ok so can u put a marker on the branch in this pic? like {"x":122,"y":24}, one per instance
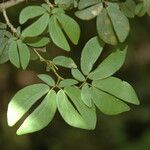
{"x":8,"y":22}
{"x":10,"y":3}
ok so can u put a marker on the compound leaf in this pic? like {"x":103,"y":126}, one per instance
{"x":88,"y":113}
{"x":107,"y":103}
{"x":120,"y":89}
{"x":37,"y":27}
{"x":109,"y":66}
{"x":41,"y":116}
{"x":30,"y":12}
{"x":57,"y":35}
{"x":68,"y":112}
{"x":70,"y":26}
{"x":23,"y":100}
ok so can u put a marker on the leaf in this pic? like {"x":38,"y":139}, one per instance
{"x":3,"y":26}
{"x":108,"y":104}
{"x":64,"y":62}
{"x":37,"y":41}
{"x":139,"y":10}
{"x":119,"y":21}
{"x":37,"y":27}
{"x":88,"y":113}
{"x":27,"y":13}
{"x":13,"y":54}
{"x":57,"y":35}
{"x":65,"y":4}
{"x":24,"y":54}
{"x":46,"y":7}
{"x":128,"y":8}
{"x":77,"y":75}
{"x":88,"y":57}
{"x":41,"y":116}
{"x":105,"y":29}
{"x":109,"y":66}
{"x":4,"y":50}
{"x":86,"y":3}
{"x":67,"y":82}
{"x":23,"y":100}
{"x":119,"y":89}
{"x":70,"y":26}
{"x":68,"y":112}
{"x":47,"y":79}
{"x":86,"y":95}
{"x":56,"y":11}
{"x":89,"y":13}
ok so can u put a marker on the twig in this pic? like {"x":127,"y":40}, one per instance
{"x":49,"y":3}
{"x":49,"y":64}
{"x":13,"y":29}
{"x":10,"y":3}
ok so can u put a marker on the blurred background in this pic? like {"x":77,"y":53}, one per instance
{"x":128,"y":131}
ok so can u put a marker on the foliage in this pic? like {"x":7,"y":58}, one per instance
{"x":76,"y":98}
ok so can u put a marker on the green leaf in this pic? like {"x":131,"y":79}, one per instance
{"x":46,"y":7}
{"x":77,"y":75}
{"x":3,"y":25}
{"x":13,"y":54}
{"x":86,"y":95}
{"x":109,"y":66}
{"x":89,"y":13}
{"x":47,"y":79}
{"x":64,"y":62}
{"x":41,"y":116}
{"x":88,"y":113}
{"x":117,"y":88}
{"x":68,"y":112}
{"x":24,"y":54}
{"x":107,"y":103}
{"x":67,"y":82}
{"x":57,"y":11}
{"x":37,"y":41}
{"x":27,"y":13}
{"x":119,"y":21}
{"x":65,"y":4}
{"x":128,"y":8}
{"x":37,"y":27}
{"x":139,"y":10}
{"x":4,"y":50}
{"x":23,"y":100}
{"x":57,"y":35}
{"x":70,"y":26}
{"x":88,"y":57}
{"x":105,"y":29}
{"x":86,"y":3}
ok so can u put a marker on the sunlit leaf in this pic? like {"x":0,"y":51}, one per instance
{"x":117,"y":88}
{"x":41,"y":116}
{"x":23,"y":100}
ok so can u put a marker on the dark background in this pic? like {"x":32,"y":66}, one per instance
{"x":128,"y":131}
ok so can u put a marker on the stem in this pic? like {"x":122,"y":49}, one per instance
{"x":10,"y":3}
{"x":49,"y":3}
{"x":13,"y":29}
{"x":50,"y":65}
